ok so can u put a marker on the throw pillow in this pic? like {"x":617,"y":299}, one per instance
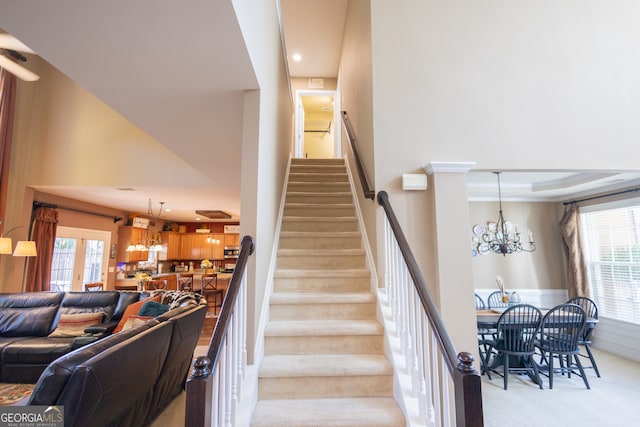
{"x":153,"y":309}
{"x":133,"y":321}
{"x":73,"y":325}
{"x":132,"y":310}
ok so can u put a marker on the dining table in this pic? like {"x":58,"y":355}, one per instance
{"x":488,"y":319}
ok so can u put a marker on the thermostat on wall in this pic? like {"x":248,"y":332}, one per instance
{"x":414,"y":181}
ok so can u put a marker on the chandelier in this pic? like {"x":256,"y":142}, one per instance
{"x":152,"y":241}
{"x":500,"y":237}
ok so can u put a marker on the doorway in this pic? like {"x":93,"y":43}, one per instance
{"x":317,"y":124}
{"x":79,"y":257}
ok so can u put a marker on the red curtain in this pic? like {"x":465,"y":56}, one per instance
{"x":45,"y":223}
{"x":7,"y":106}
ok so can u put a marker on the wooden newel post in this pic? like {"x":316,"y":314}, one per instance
{"x":198,"y":389}
{"x":468,"y":389}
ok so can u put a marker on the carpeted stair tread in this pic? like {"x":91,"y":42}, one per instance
{"x":321,"y":252}
{"x":322,"y":328}
{"x":356,"y":272}
{"x":324,"y":365}
{"x":320,"y":219}
{"x":322,"y":298}
{"x":351,"y":412}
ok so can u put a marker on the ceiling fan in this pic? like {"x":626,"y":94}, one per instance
{"x":12,"y":46}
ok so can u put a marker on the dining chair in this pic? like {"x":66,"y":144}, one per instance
{"x":495,"y":300}
{"x":559,"y":336}
{"x":591,"y":310}
{"x":154,"y":284}
{"x":513,"y":347}
{"x":93,"y":287}
{"x":480,"y":303}
{"x":483,"y":333}
{"x":210,"y":287}
{"x":184,"y":281}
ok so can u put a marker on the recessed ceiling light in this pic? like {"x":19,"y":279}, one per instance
{"x":168,"y":210}
{"x":197,"y":218}
{"x":297,"y":57}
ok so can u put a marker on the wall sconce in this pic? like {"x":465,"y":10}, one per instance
{"x":23,"y":247}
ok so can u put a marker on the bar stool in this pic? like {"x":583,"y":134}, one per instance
{"x":210,"y":286}
{"x":185,"y":281}
{"x":152,"y":285}
{"x":93,"y":287}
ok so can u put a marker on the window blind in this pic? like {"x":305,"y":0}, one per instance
{"x":610,"y":239}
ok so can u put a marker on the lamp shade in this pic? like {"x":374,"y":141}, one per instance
{"x":25,"y":248}
{"x":5,"y":245}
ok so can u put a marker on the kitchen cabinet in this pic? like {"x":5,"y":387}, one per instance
{"x":232,"y":240}
{"x":127,"y":236}
{"x":198,"y":246}
{"x":170,"y":246}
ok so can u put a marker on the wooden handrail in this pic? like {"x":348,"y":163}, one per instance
{"x":369,"y":192}
{"x":199,"y":383}
{"x":466,"y":380}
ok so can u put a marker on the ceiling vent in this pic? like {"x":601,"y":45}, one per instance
{"x":214,"y":214}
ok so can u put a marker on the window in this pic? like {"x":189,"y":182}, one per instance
{"x":611,"y":245}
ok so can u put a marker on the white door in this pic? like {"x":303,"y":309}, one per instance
{"x":80,"y":256}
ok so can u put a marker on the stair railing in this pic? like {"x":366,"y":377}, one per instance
{"x":445,"y":383}
{"x":213,"y":388}
{"x":367,"y":190}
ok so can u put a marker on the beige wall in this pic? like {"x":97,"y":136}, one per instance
{"x":508,"y":85}
{"x":65,"y":136}
{"x":357,"y":100}
{"x":542,"y":269}
{"x":267,"y":144}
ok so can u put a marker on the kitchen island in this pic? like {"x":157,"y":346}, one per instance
{"x":171,"y":278}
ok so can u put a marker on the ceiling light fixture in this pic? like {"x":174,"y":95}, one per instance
{"x":153,"y":243}
{"x":297,"y":57}
{"x":501,"y":237}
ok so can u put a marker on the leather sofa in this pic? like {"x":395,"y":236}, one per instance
{"x":127,"y":378}
{"x":27,"y":321}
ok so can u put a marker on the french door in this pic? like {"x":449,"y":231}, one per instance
{"x":80,"y":256}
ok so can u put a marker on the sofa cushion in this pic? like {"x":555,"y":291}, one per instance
{"x":125,"y":299}
{"x":153,"y":309}
{"x":73,"y":325}
{"x":28,"y":314}
{"x":132,"y":310}
{"x":55,"y":377}
{"x":133,"y":321}
{"x":90,"y":302}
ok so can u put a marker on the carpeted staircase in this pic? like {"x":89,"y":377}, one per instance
{"x":324,"y":363}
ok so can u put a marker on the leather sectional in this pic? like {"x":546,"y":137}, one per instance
{"x":101,"y":379}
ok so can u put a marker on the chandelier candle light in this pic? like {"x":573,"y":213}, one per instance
{"x":501,"y":237}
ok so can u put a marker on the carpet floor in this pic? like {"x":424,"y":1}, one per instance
{"x":11,"y":393}
{"x":612,"y":400}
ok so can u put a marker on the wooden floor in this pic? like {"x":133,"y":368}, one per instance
{"x":207,"y":329}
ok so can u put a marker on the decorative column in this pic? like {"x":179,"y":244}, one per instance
{"x":449,"y":201}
